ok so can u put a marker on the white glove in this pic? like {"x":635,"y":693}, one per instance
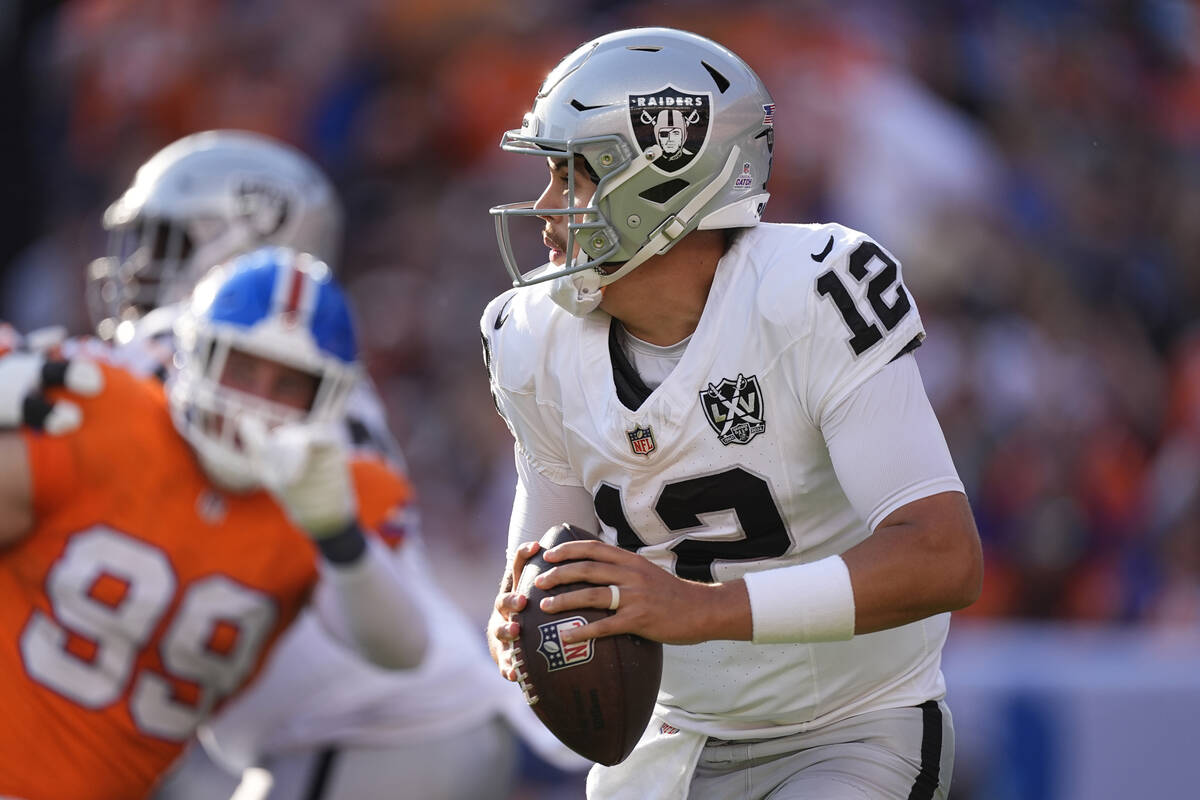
{"x":305,"y":467}
{"x":24,"y":376}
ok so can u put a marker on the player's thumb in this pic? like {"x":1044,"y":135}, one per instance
{"x":320,"y":497}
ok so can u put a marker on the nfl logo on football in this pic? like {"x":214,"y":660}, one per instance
{"x":559,"y":655}
{"x":641,"y":440}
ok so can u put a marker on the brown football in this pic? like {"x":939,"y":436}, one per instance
{"x":596,"y":696}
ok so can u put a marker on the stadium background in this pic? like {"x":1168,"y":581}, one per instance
{"x":1035,"y":165}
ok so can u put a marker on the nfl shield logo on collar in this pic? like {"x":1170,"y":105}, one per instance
{"x":641,"y":439}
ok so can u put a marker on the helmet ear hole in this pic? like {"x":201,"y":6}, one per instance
{"x":663,"y":192}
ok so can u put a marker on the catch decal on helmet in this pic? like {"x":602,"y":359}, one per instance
{"x":678,"y":122}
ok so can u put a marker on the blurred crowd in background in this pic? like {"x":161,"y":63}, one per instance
{"x":1034,"y":165}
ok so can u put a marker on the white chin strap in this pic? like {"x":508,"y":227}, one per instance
{"x":580,"y":293}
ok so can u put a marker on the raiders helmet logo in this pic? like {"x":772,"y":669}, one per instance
{"x":262,"y":205}
{"x":676,"y":121}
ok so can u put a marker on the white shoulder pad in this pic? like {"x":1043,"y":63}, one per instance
{"x":507,"y":327}
{"x":844,"y":293}
{"x":518,"y":329}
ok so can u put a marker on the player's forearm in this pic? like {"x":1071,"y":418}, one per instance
{"x":923,"y":559}
{"x":367,"y":605}
{"x":728,"y":613}
{"x":16,"y":489}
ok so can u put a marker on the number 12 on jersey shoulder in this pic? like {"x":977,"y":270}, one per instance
{"x":866,"y":335}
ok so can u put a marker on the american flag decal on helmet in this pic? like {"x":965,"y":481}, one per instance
{"x":769,"y":114}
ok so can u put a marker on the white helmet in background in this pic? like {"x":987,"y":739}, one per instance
{"x":198,"y":202}
{"x":676,"y":130}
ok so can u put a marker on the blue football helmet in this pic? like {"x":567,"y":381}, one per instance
{"x":276,"y":304}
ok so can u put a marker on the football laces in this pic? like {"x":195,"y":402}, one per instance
{"x":523,"y":681}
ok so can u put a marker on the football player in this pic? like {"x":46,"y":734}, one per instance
{"x":198,"y":202}
{"x":734,"y":406}
{"x":435,"y":729}
{"x":154,"y":551}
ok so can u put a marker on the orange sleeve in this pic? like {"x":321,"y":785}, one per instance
{"x":103,"y":445}
{"x":53,"y":469}
{"x":385,"y":500}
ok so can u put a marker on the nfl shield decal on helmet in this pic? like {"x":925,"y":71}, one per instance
{"x":676,"y":121}
{"x":734,"y":409}
{"x":641,"y":439}
{"x":559,"y":655}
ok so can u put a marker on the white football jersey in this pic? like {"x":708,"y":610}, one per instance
{"x":722,"y":469}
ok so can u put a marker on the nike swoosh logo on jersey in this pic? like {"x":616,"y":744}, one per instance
{"x":819,"y":257}
{"x":501,"y":316}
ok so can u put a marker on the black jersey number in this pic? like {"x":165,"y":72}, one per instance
{"x":679,"y":507}
{"x":866,"y":334}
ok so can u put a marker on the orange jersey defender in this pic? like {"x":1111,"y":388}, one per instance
{"x":142,"y":599}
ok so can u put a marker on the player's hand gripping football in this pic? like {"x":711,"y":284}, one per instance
{"x":305,"y":467}
{"x":24,"y":378}
{"x":502,"y":630}
{"x":652,"y":602}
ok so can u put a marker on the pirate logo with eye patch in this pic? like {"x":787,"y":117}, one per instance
{"x":676,"y":121}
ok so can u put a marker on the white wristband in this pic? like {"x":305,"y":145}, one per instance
{"x":802,"y":603}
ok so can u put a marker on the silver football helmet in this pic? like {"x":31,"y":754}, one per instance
{"x":196,"y":203}
{"x":677,"y":130}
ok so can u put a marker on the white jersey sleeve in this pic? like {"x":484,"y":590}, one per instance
{"x":540,"y":504}
{"x":886,"y":445}
{"x":859,"y":317}
{"x":510,"y":327}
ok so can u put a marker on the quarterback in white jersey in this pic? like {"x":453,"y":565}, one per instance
{"x":733,"y":406}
